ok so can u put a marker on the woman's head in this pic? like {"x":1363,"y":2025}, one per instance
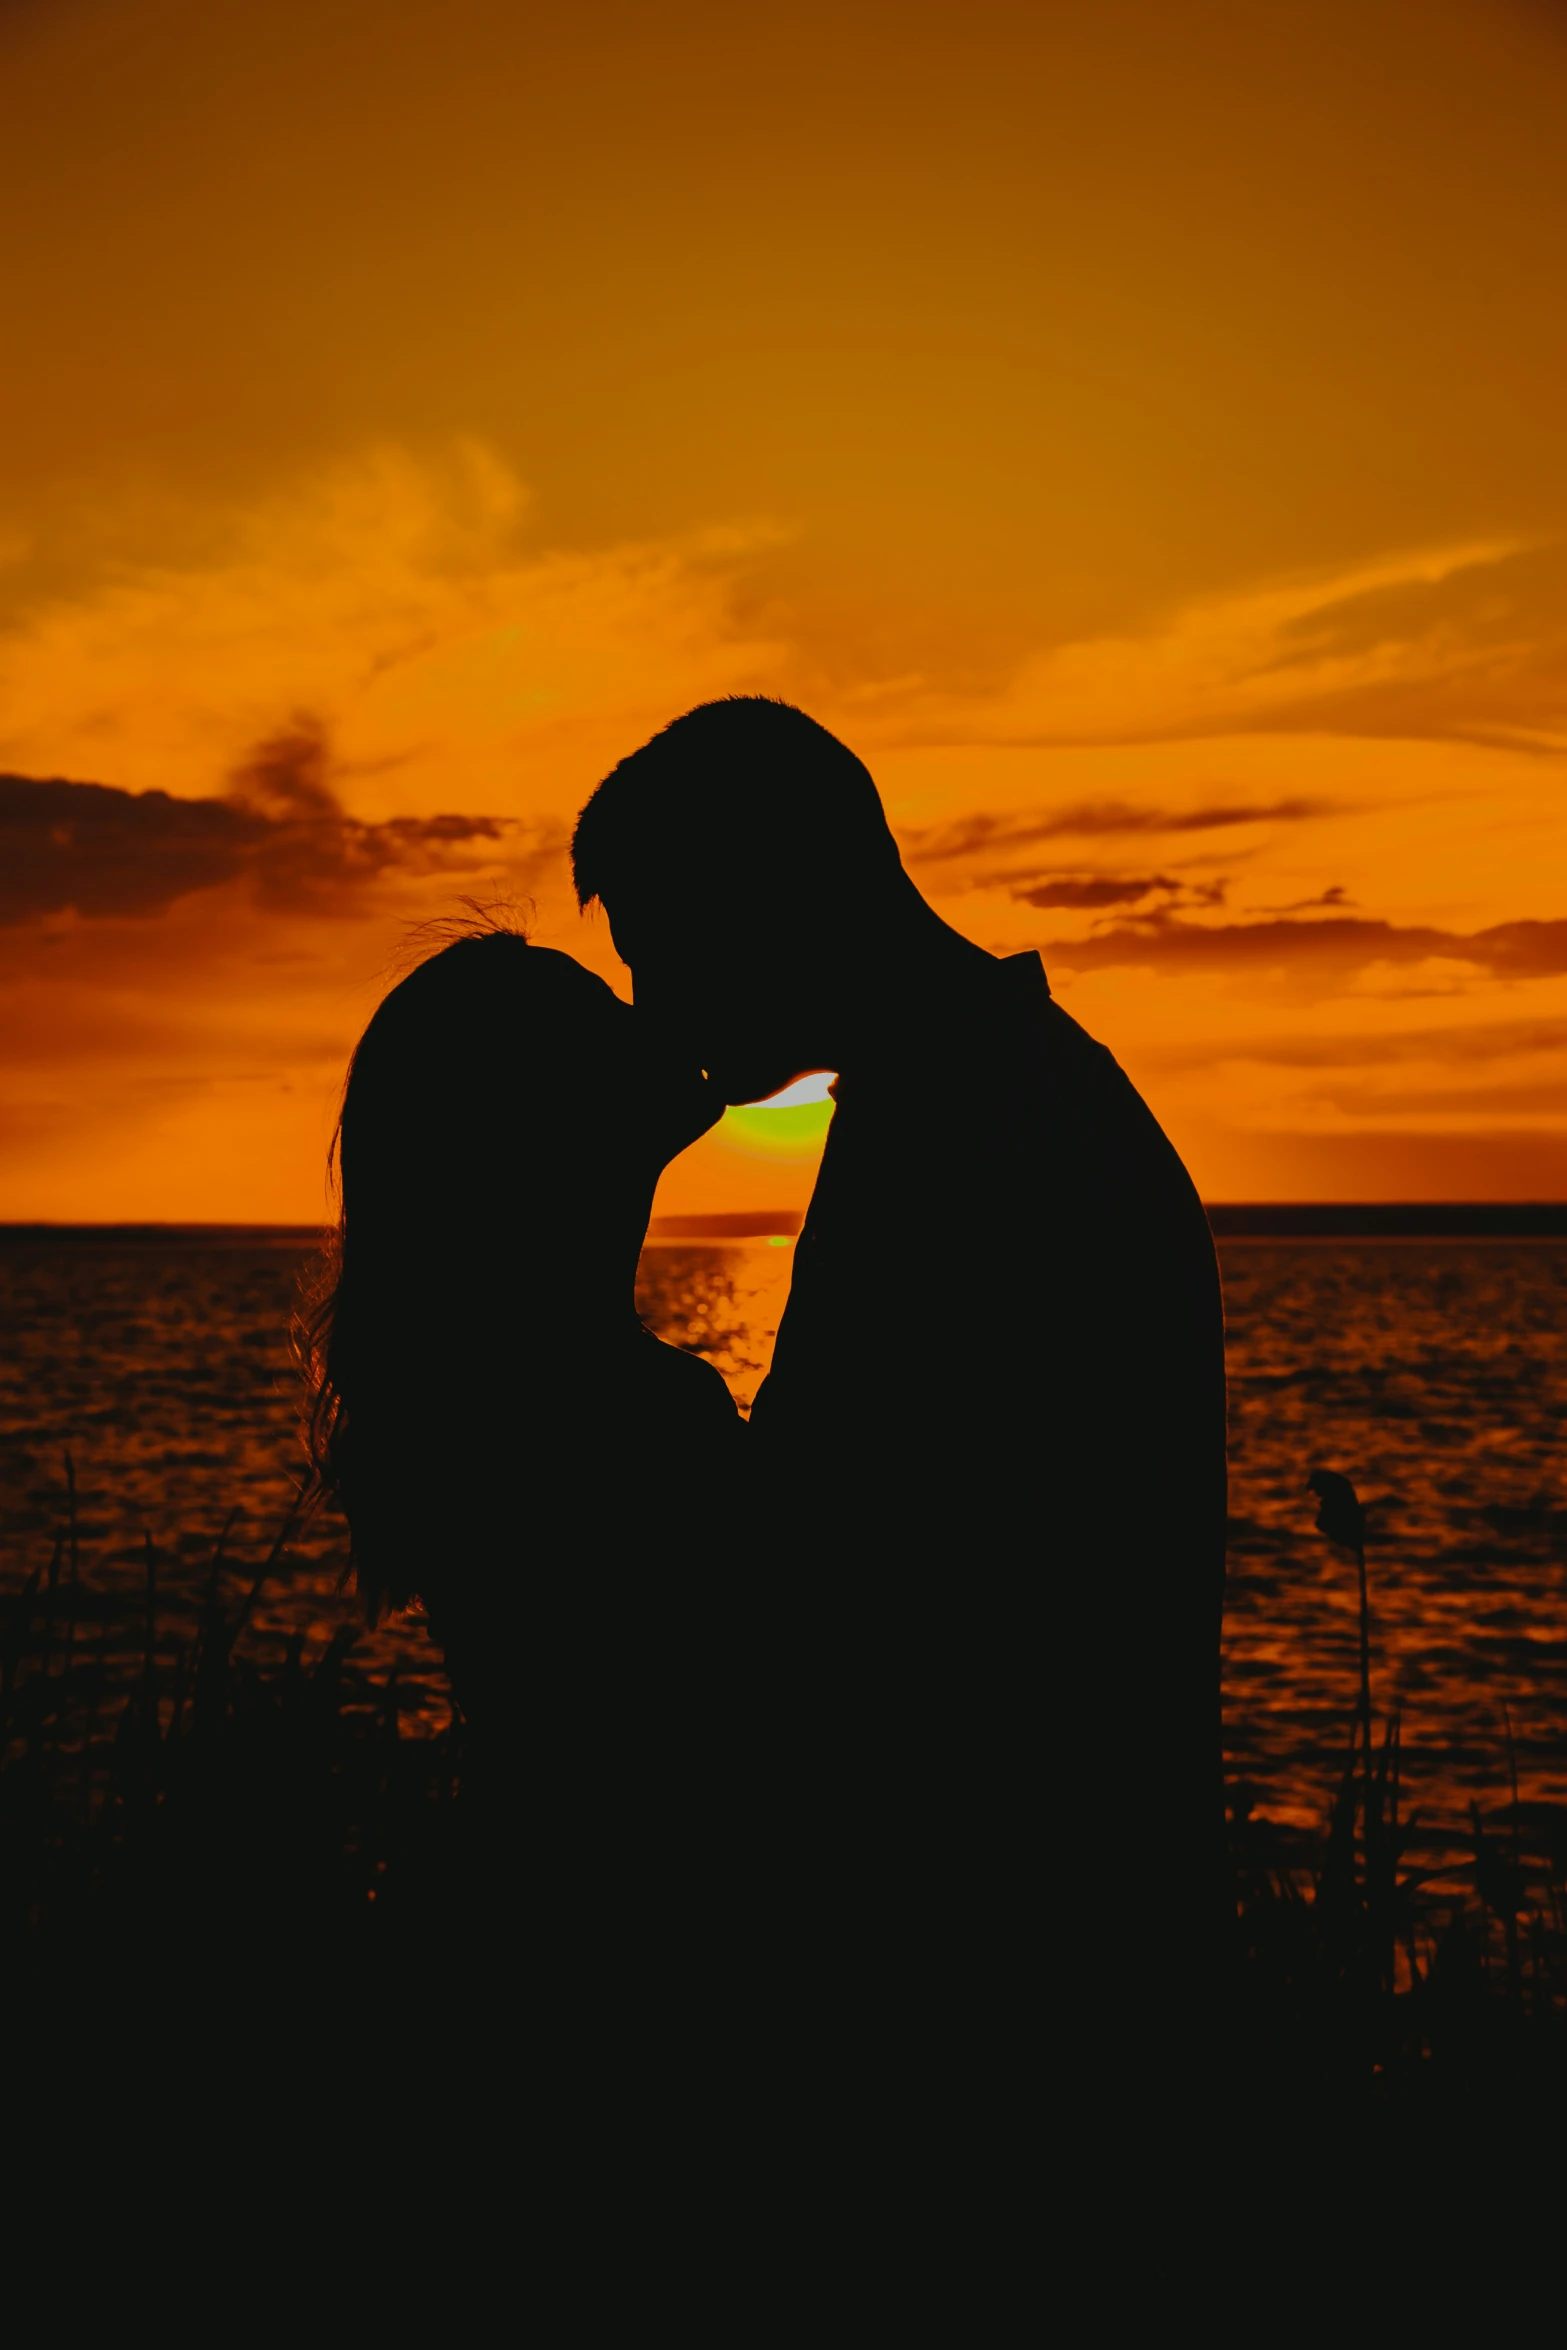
{"x":503,"y":1128}
{"x":502,"y":1077}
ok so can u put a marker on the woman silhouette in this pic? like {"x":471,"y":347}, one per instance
{"x":509,"y":1443}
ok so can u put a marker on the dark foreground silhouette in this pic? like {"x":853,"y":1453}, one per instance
{"x":235,"y":1932}
{"x":994,"y":1425}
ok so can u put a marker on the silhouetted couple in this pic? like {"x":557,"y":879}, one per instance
{"x":900,"y":1705}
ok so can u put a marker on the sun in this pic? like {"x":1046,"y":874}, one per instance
{"x":788,"y":1127}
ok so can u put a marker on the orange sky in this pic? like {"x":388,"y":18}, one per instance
{"x":1136,"y":429}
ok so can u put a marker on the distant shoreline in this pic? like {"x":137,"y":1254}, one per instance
{"x":1231,"y":1220}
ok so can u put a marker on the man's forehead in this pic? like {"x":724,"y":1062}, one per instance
{"x":674,"y":927}
{"x":696,"y":872}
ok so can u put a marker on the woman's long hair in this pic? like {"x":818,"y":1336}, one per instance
{"x":451,"y":1153}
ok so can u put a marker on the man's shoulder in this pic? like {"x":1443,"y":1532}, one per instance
{"x":1038,"y":1044}
{"x":1070,"y":1094}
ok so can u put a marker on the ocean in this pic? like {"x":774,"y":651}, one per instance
{"x":1430,"y":1370}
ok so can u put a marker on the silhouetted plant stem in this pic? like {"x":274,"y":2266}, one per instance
{"x":1512,"y":1778}
{"x":74,"y":1586}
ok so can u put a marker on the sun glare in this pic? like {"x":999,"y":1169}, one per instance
{"x":788,"y":1128}
{"x":815,"y":1088}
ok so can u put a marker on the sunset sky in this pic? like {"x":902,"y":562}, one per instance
{"x":1137,"y":429}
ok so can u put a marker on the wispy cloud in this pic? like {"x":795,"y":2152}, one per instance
{"x":1093,"y":892}
{"x":1464,"y":644}
{"x":1488,"y":1041}
{"x":1335,"y":948}
{"x":399,"y":599}
{"x":1338,"y":895}
{"x":1545,"y":1098}
{"x":984,"y":833}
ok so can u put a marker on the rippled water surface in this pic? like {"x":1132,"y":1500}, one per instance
{"x":1432,"y":1372}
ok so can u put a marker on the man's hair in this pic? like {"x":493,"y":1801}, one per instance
{"x":732,"y":792}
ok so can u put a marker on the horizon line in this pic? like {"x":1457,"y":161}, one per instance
{"x":1229,"y":1219}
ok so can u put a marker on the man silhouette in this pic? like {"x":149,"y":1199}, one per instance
{"x":994,"y":1425}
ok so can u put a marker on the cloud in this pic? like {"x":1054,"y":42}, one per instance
{"x":984,"y":833}
{"x":1095,"y":891}
{"x":1471,"y":647}
{"x":1486,"y":1041}
{"x":1547,"y":1098}
{"x":1389,"y":1162}
{"x":1338,"y":895}
{"x":1486,"y":1071}
{"x":1092,"y":892}
{"x":395,"y":597}
{"x":101,"y":852}
{"x":1475,"y":654}
{"x":1335,"y":948}
{"x":1458,"y":644}
{"x":1493,"y":601}
{"x":286,"y":774}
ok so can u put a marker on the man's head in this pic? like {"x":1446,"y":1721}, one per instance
{"x":741,"y":857}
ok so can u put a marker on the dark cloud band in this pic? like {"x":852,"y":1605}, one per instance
{"x":104,"y":852}
{"x":1091,"y":893}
